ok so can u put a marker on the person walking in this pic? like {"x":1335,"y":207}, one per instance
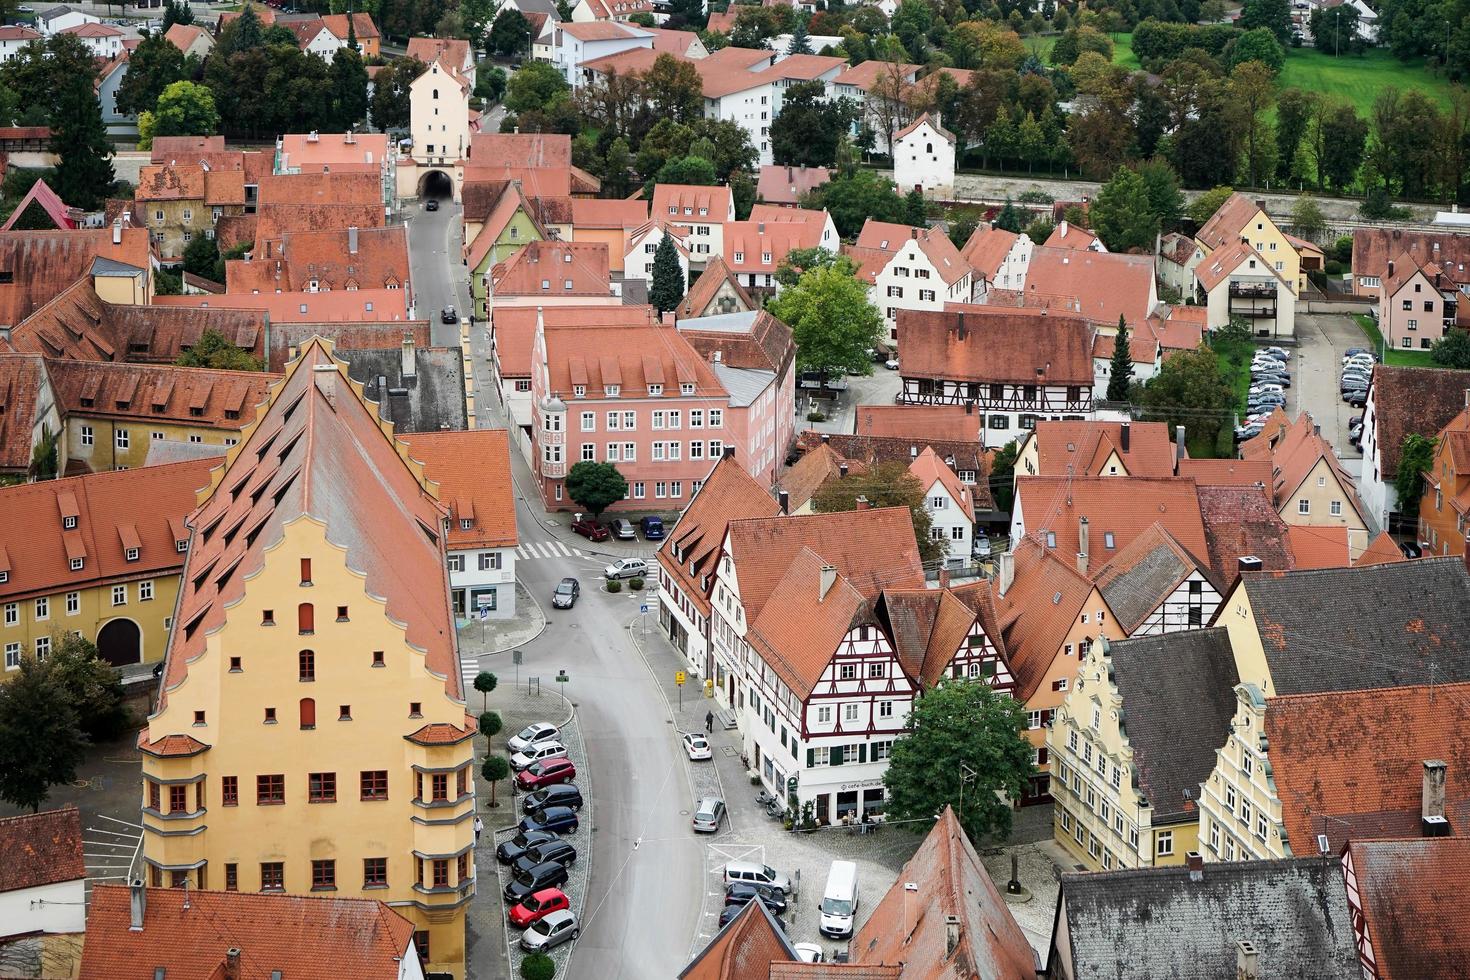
{"x":709,"y":722}
{"x":479,"y":826}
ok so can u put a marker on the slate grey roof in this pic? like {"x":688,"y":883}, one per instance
{"x":744,"y":384}
{"x":112,"y":267}
{"x":1178,"y":694}
{"x":429,"y":400}
{"x":1345,"y":629}
{"x":1157,"y":923}
{"x":1143,"y":575}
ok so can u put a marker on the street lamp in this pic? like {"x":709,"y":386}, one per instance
{"x":967,"y":775}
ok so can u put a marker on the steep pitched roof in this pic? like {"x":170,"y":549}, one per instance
{"x":788,"y":185}
{"x":908,"y":931}
{"x":1242,"y":522}
{"x":1382,"y":550}
{"x":1412,"y":400}
{"x":987,"y":248}
{"x":1084,"y":448}
{"x":812,"y":472}
{"x":1294,"y":451}
{"x":1045,"y":597}
{"x":1098,"y":286}
{"x":947,"y":423}
{"x":510,"y":202}
{"x":554,"y":268}
{"x":689,"y":553}
{"x":933,"y":243}
{"x":748,"y":243}
{"x":1319,"y":547}
{"x":1178,"y":692}
{"x":1296,"y":910}
{"x":1227,"y":260}
{"x":1068,"y":235}
{"x":930,"y":469}
{"x":744,"y":949}
{"x":872,"y":450}
{"x":115,"y":510}
{"x":22,"y":377}
{"x":39,"y":849}
{"x":716,"y":276}
{"x":929,"y":626}
{"x":995,"y":345}
{"x":43,"y":263}
{"x":319,"y":451}
{"x":186,"y":934}
{"x":1415,"y":895}
{"x":1345,"y":629}
{"x":472,"y":470}
{"x":48,"y":200}
{"x":924,"y":119}
{"x":429,"y":49}
{"x":753,"y":341}
{"x":1145,"y":573}
{"x":1228,"y":222}
{"x":200,"y":397}
{"x":865,"y":74}
{"x":799,"y":628}
{"x":1374,"y":248}
{"x":1351,"y":763}
{"x":362,"y":25}
{"x":1124,"y":508}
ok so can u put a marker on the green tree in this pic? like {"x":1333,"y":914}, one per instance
{"x":153,"y":66}
{"x":1274,"y":15}
{"x":914,"y":209}
{"x":490,"y":82}
{"x":1190,"y":391}
{"x":975,"y":730}
{"x":799,"y":261}
{"x":201,"y":256}
{"x":79,"y":139}
{"x":1336,"y":30}
{"x":477,"y":15}
{"x":43,"y":75}
{"x":806,"y":131}
{"x":1253,"y":90}
{"x":854,"y":199}
{"x":912,"y":23}
{"x":242,"y":34}
{"x":1002,"y":475}
{"x":1257,"y":45}
{"x":833,"y":323}
{"x":674,"y":90}
{"x":885,"y":485}
{"x":1344,"y":135}
{"x":536,"y":85}
{"x":1122,"y":215}
{"x":617,"y":176}
{"x":801,"y":41}
{"x":1294,"y":109}
{"x":186,"y":109}
{"x":596,"y":486}
{"x":1202,"y":207}
{"x":538,"y":966}
{"x":93,"y":687}
{"x":510,"y":34}
{"x":389,"y":104}
{"x":962,"y":227}
{"x":1008,"y":218}
{"x":494,"y":769}
{"x":1451,"y":351}
{"x":43,"y":455}
{"x":41,"y":740}
{"x":1120,"y":375}
{"x":174,"y":12}
{"x":668,"y":285}
{"x":1307,"y":217}
{"x":490,"y":723}
{"x":213,"y":350}
{"x":1415,"y":458}
{"x":1162,"y":185}
{"x":485,"y":682}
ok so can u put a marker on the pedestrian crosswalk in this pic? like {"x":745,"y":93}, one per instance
{"x":546,"y":549}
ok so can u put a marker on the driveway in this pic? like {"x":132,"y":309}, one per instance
{"x":1316,"y":366}
{"x":437,"y":272}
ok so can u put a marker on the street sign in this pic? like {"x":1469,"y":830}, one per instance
{"x":516,"y":657}
{"x":643,"y":608}
{"x":679,"y":677}
{"x":484,"y":613}
{"x":561,"y":676}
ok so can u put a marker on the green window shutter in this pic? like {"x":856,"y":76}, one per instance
{"x":862,"y":752}
{"x":811,"y":758}
{"x":835,"y":758}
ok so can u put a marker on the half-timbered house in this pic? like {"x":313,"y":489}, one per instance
{"x":948,"y":634}
{"x":1155,"y":585}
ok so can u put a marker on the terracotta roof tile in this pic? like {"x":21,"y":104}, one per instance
{"x":147,"y":498}
{"x":608,"y":350}
{"x":765,"y":345}
{"x":199,"y":397}
{"x":929,"y":626}
{"x":748,"y":243}
{"x":598,"y":213}
{"x":327,"y":259}
{"x":788,"y":185}
{"x":170,"y":183}
{"x":689,"y":553}
{"x":337,"y":152}
{"x":987,"y":344}
{"x":930,"y":469}
{"x":812,"y":472}
{"x":1045,"y":597}
{"x":472,"y":470}
{"x":798,"y":630}
{"x":1294,"y":449}
{"x":746,"y":948}
{"x":1351,"y":763}
{"x":1382,"y":550}
{"x":1228,"y":221}
{"x":692,"y":201}
{"x":1099,"y":286}
{"x":1319,"y":547}
{"x":705,"y":289}
{"x":515,"y":329}
{"x":1084,"y":448}
{"x":865,"y":74}
{"x":1068,"y":235}
{"x":1242,"y":522}
{"x":1374,"y":248}
{"x":871,"y":450}
{"x":1413,"y":894}
{"x":1124,"y":507}
{"x":1145,"y":573}
{"x":933,"y":124}
{"x":43,"y":263}
{"x":987,"y":248}
{"x":39,"y":849}
{"x":362,"y":26}
{"x":186,"y":935}
{"x":946,"y":423}
{"x":170,"y":746}
{"x":354,"y":306}
{"x":554,"y":268}
{"x":552,"y":150}
{"x":1227,"y":472}
{"x":1225,"y":261}
{"x":22,"y":376}
{"x":1177,"y":248}
{"x":1412,"y":400}
{"x":429,"y":50}
{"x":287,"y":338}
{"x":440,"y":733}
{"x":55,"y":208}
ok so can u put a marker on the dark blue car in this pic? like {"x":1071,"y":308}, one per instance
{"x":556,"y":819}
{"x":653,"y":528}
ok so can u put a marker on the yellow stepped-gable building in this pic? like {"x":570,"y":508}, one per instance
{"x":311,"y":733}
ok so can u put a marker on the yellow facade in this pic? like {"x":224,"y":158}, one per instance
{"x":148,"y":601}
{"x":249,"y":715}
{"x":1239,"y":620}
{"x":1274,"y":246}
{"x":1321,"y":500}
{"x":1240,"y":814}
{"x":1099,"y":817}
{"x":124,"y":290}
{"x":169,"y":221}
{"x":110,"y":444}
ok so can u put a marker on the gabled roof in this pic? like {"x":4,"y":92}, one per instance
{"x":429,"y":49}
{"x":43,"y":263}
{"x":1084,"y":448}
{"x":788,"y":185}
{"x":798,"y":628}
{"x":22,"y":376}
{"x":319,"y":451}
{"x":472,"y":470}
{"x":865,"y":74}
{"x":987,"y":248}
{"x":1045,"y":598}
{"x":186,"y":934}
{"x":929,"y":626}
{"x":428,"y":397}
{"x":1319,"y":546}
{"x":1294,"y":910}
{"x":1143,"y":347}
{"x":812,"y":472}
{"x":716,"y":276}
{"x":1344,"y":629}
{"x":1177,"y":248}
{"x":47,"y":199}
{"x":1125,"y":508}
{"x":1229,"y":222}
{"x":1068,"y":235}
{"x":554,"y":268}
{"x":750,"y":341}
{"x":1227,"y":472}
{"x":924,"y":120}
{"x":988,"y":344}
{"x":354,"y":306}
{"x":362,"y":26}
{"x":511,"y":201}
{"x":38,"y":849}
{"x":1242,"y":522}
{"x":338,"y":259}
{"x":1228,"y":260}
{"x":747,"y":243}
{"x":1374,"y":248}
{"x":550,"y":150}
{"x":183,"y":36}
{"x":933,"y":243}
{"x":1098,"y":286}
{"x":946,"y":423}
{"x":872,"y":450}
{"x":515,"y":329}
{"x":907,"y":931}
{"x":1382,"y":550}
{"x":1178,"y":692}
{"x":710,"y":204}
{"x":1351,"y":763}
{"x":1294,"y":450}
{"x":1414,"y":895}
{"x":744,"y":949}
{"x":930,"y":469}
{"x":1412,"y":400}
{"x":689,"y":553}
{"x":600,"y":351}
{"x":195,"y":397}
{"x":114,"y":510}
{"x":1144,"y":574}
{"x":871,"y":549}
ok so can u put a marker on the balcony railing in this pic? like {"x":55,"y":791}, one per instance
{"x":554,"y":471}
{"x":1253,"y":291}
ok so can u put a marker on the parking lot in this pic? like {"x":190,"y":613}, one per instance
{"x":1316,"y":365}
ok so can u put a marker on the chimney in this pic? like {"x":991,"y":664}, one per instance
{"x":1178,"y":446}
{"x":1316,"y":429}
{"x":138,"y":903}
{"x":409,"y":359}
{"x":717,"y":357}
{"x":313,"y":137}
{"x":232,"y":963}
{"x":352,"y":240}
{"x":1250,"y":563}
{"x":1390,"y":268}
{"x":841,"y":469}
{"x":951,"y":934}
{"x":1465,"y":553}
{"x":826,"y":438}
{"x":1431,"y":808}
{"x":1123,"y":434}
{"x":729,"y":452}
{"x":117,"y":232}
{"x":944,"y":578}
{"x":862,"y":503}
{"x":325,"y":376}
{"x":1467,"y":397}
{"x":384,"y":411}
{"x":349,"y":138}
{"x":1247,"y":961}
{"x":784,"y":499}
{"x":790,"y":175}
{"x":1083,"y":540}
{"x":1007,"y":571}
{"x":1196,"y":866}
{"x":829,"y":578}
{"x":1062,"y":228}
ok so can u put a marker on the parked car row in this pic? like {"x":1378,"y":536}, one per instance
{"x":1270,"y":378}
{"x":1357,"y":371}
{"x":621,"y":528}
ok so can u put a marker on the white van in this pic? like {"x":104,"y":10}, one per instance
{"x":754,"y":873}
{"x":840,"y":900}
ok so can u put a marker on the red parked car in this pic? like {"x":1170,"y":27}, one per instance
{"x":591,"y":530}
{"x":546,"y":772}
{"x":537,"y":905}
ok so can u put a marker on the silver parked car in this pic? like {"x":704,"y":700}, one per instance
{"x":554,"y":929}
{"x":708,"y":813}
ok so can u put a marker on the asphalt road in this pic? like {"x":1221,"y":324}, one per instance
{"x":1316,"y":365}
{"x":437,"y":271}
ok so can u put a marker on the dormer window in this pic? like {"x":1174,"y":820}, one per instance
{"x":131,"y":554}
{"x":655,"y":390}
{"x":579,"y":390}
{"x":545,"y":283}
{"x":686,"y":388}
{"x":68,"y":522}
{"x":739,"y":256}
{"x":611,"y":391}
{"x":466,"y":523}
{"x":765,"y":258}
{"x":77,"y":563}
{"x":673,"y":209}
{"x":181,"y":546}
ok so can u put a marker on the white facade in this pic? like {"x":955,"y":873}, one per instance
{"x":488,"y":573}
{"x":1011,"y":273}
{"x":754,"y":108}
{"x":687,"y":636}
{"x":103,"y":45}
{"x":638,"y":263}
{"x":924,"y":158}
{"x":1102,"y":371}
{"x":1252,"y":273}
{"x":949,"y":521}
{"x":13,"y":38}
{"x":570,"y":51}
{"x":63,"y":17}
{"x":911,"y":281}
{"x":439,"y":116}
{"x":54,"y":908}
{"x":324,"y":45}
{"x":1378,"y":495}
{"x":1190,"y":606}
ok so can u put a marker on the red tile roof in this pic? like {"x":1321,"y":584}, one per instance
{"x":183,"y":36}
{"x":1412,"y":400}
{"x":988,"y":344}
{"x":765,"y":346}
{"x":287,"y":338}
{"x":1382,"y":550}
{"x":1414,"y":895}
{"x":1226,"y":261}
{"x":147,"y":504}
{"x":788,"y":185}
{"x":600,"y":351}
{"x":1099,"y":286}
{"x":55,"y":208}
{"x":515,"y":329}
{"x":21,"y":378}
{"x":326,"y":257}
{"x":932,"y":242}
{"x":588,"y":212}
{"x":930,"y":469}
{"x":554,"y":268}
{"x":798,"y":629}
{"x":1294,"y":449}
{"x":1125,"y":507}
{"x":1319,"y":547}
{"x":987,"y":248}
{"x":706,"y":289}
{"x":865,"y":74}
{"x":945,"y":423}
{"x":747,"y":243}
{"x":689,"y":554}
{"x":199,"y":397}
{"x":1068,"y":235}
{"x":1228,"y":221}
{"x":1046,"y":596}
{"x":1083,"y":448}
{"x":43,"y":263}
{"x":929,"y":626}
{"x":338,"y":306}
{"x":442,"y":733}
{"x":1143,"y":347}
{"x":747,"y":948}
{"x":933,"y":124}
{"x":1141,"y":576}
{"x":41,"y":849}
{"x":812,"y":472}
{"x":510,"y":202}
{"x":186,"y":934}
{"x":1351,"y":763}
{"x":672,"y":201}
{"x":472,"y":470}
{"x":1227,"y":472}
{"x":170,"y":746}
{"x":362,"y":26}
{"x":551,"y":150}
{"x":1242,"y":522}
{"x":1374,"y":248}
{"x":429,"y":49}
{"x":320,"y":452}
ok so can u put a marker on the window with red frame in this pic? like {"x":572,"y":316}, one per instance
{"x":230,"y":790}
{"x":375,"y":872}
{"x":441,"y":786}
{"x":464,"y":868}
{"x":441,"y":874}
{"x":272,"y":876}
{"x":155,"y":796}
{"x":375,"y":784}
{"x":306,"y":666}
{"x":323,"y":875}
{"x":322,"y":787}
{"x":270,"y":790}
{"x":178,"y":799}
{"x":308,"y":713}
